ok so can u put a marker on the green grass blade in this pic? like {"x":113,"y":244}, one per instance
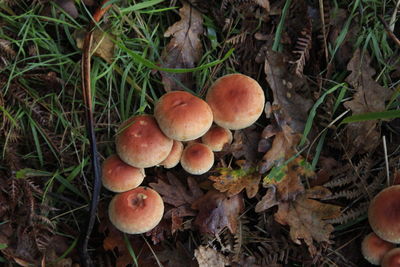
{"x":389,"y":114}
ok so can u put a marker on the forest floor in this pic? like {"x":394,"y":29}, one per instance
{"x":291,"y":190}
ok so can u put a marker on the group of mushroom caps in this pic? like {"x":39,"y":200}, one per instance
{"x":379,"y":247}
{"x":170,"y":136}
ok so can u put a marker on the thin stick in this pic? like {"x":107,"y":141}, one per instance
{"x":87,"y":99}
{"x":386,"y":160}
{"x":389,"y":32}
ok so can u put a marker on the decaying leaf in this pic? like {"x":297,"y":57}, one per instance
{"x":287,"y":169}
{"x":102,"y":45}
{"x":177,"y":195}
{"x":245,"y":144}
{"x":233,"y":181}
{"x":206,"y":257}
{"x":69,"y":7}
{"x":216,"y":210}
{"x":184,"y":50}
{"x":370,"y":97}
{"x":285,"y":85}
{"x":306,"y":217}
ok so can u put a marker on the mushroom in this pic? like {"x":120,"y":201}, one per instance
{"x":141,"y":143}
{"x":197,"y":158}
{"x":136,"y":211}
{"x":392,"y":258}
{"x":174,"y":156}
{"x":374,"y":248}
{"x":384,"y":214}
{"x":236,"y":100}
{"x":217,"y":137}
{"x":117,"y":176}
{"x":183,"y":116}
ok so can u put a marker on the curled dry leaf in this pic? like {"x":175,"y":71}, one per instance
{"x":234,"y":181}
{"x":102,"y":45}
{"x":206,"y":257}
{"x":370,"y":97}
{"x":216,"y":210}
{"x":306,"y":217}
{"x":184,"y":50}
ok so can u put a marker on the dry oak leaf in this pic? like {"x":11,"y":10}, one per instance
{"x":234,"y":181}
{"x":306,"y":217}
{"x":245,"y":144}
{"x":184,"y":50}
{"x":216,"y":210}
{"x":177,"y":195}
{"x":286,"y":169}
{"x":370,"y":97}
{"x":207,"y":257}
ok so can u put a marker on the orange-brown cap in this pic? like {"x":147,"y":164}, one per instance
{"x":392,"y":258}
{"x":183,"y":116}
{"x":174,"y":156}
{"x":374,"y":248}
{"x":217,"y":137}
{"x":117,"y":176}
{"x":197,"y":158}
{"x":236,"y":100}
{"x":384,"y":214}
{"x":141,"y":143}
{"x":136,"y":211}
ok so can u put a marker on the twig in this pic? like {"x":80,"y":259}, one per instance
{"x":87,"y":99}
{"x":389,"y":32}
{"x":386,"y":160}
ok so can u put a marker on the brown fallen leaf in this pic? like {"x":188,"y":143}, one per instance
{"x":102,"y":45}
{"x":206,"y":257}
{"x":69,"y":7}
{"x":306,"y":217}
{"x":233,"y":181}
{"x":362,"y":137}
{"x":177,"y":195}
{"x":216,"y":210}
{"x":245,"y":144}
{"x":184,"y":50}
{"x":284,"y":85}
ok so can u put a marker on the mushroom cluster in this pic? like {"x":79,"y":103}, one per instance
{"x":379,"y":247}
{"x":180,"y":131}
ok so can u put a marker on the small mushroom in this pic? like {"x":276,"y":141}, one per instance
{"x":117,"y":176}
{"x":174,"y":156}
{"x":384,"y":214}
{"x":374,"y":248}
{"x":136,"y":211}
{"x":183,"y":116}
{"x":141,"y":143}
{"x":392,"y":258}
{"x":217,"y":137}
{"x":197,"y":158}
{"x":236,"y":101}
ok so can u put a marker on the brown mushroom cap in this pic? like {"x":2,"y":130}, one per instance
{"x":174,"y":156}
{"x":236,"y":100}
{"x":183,"y":116}
{"x":141,"y":143}
{"x":197,"y":158}
{"x":384,"y":214}
{"x":117,"y":176}
{"x":217,"y":137}
{"x":374,"y":248}
{"x":392,"y":258}
{"x":136,"y":211}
